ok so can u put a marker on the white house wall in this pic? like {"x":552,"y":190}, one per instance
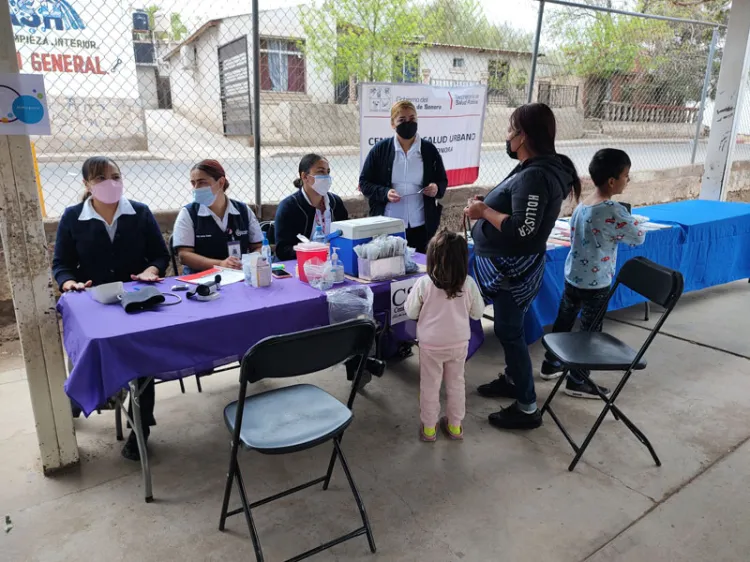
{"x":147,"y":87}
{"x":195,"y":90}
{"x":439,"y":61}
{"x":281,"y":24}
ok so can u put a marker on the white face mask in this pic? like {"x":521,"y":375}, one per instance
{"x":322,"y":184}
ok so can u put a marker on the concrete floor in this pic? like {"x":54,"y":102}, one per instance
{"x":497,"y":496}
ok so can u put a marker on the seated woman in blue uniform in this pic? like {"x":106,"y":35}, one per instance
{"x":105,"y":239}
{"x":214,"y":229}
{"x":313,"y":204}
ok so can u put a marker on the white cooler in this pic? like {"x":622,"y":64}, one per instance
{"x":361,"y":231}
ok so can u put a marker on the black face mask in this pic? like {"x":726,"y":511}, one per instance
{"x":513,"y":154}
{"x":407,"y":129}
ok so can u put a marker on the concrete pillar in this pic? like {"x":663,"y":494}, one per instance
{"x":353,"y":89}
{"x":722,"y":138}
{"x":26,"y":257}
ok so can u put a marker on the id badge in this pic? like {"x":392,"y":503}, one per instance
{"x":234,"y":249}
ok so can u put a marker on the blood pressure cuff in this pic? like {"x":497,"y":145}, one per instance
{"x":148,"y":298}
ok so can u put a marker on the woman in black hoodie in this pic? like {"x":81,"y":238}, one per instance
{"x":510,"y":236}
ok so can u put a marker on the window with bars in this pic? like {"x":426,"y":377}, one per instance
{"x":282,"y":66}
{"x":498,"y":69}
{"x":406,"y":68}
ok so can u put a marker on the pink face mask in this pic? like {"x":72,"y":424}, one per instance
{"x":107,"y":191}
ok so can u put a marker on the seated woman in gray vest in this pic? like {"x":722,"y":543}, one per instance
{"x":214,"y":229}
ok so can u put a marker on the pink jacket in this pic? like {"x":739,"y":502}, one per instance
{"x":442,"y":322}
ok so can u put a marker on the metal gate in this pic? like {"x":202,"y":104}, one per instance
{"x":234,"y":85}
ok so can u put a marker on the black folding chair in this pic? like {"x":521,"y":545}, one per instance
{"x":173,"y":259}
{"x":295,"y":418}
{"x":598,"y":351}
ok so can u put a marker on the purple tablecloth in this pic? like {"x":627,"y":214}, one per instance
{"x":109,"y":348}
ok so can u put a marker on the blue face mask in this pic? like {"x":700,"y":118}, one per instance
{"x":204,"y":196}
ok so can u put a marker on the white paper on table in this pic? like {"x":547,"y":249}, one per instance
{"x":654,"y":226}
{"x":228,"y":276}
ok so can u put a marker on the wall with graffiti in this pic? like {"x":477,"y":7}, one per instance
{"x":84,"y":50}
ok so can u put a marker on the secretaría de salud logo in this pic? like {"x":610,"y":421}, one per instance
{"x":45,"y":15}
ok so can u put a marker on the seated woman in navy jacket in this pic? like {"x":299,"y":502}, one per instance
{"x":312,"y":205}
{"x":214,"y":229}
{"x":108,"y":238}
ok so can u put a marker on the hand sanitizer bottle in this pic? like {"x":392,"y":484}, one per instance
{"x":338,"y":267}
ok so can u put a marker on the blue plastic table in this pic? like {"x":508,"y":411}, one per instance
{"x":716,"y":249}
{"x":709,"y":244}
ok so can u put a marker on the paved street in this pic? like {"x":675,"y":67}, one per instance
{"x":164,"y":184}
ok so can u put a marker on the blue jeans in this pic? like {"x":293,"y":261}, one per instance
{"x":586,"y":301}
{"x":509,"y":320}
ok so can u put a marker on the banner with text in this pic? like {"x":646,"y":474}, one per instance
{"x":399,"y":291}
{"x":450,"y":118}
{"x":83,"y":48}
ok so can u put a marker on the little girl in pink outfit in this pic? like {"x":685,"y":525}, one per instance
{"x":443,"y":302}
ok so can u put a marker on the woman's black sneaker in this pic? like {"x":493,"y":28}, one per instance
{"x":551,"y":370}
{"x":501,"y":387}
{"x":584,"y":390}
{"x":513,"y":418}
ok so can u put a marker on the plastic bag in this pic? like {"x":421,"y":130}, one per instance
{"x":381,"y":247}
{"x":410,"y":266}
{"x":349,"y":303}
{"x":319,"y":274}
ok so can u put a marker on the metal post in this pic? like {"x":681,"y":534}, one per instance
{"x":535,"y":56}
{"x":25,"y":247}
{"x":732,"y":78}
{"x":706,"y":84}
{"x":256,"y":104}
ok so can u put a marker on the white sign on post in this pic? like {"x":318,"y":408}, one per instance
{"x":23,"y":105}
{"x":450,"y":118}
{"x":399,"y":291}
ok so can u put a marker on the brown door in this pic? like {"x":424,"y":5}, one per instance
{"x":296,"y":65}
{"x":234,"y":87}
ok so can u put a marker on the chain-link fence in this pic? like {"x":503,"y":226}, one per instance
{"x":639,"y":84}
{"x":161,"y":87}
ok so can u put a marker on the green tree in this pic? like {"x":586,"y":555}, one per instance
{"x":362,"y":38}
{"x":179,"y":31}
{"x":151,"y":11}
{"x":465,"y":23}
{"x":602,"y":44}
{"x":669,"y":58}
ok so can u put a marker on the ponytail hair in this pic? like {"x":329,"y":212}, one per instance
{"x":94,"y":167}
{"x":305,"y":165}
{"x":576,"y":185}
{"x":537,"y":121}
{"x":213,"y":169}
